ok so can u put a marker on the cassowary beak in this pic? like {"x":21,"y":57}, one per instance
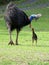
{"x":38,"y":16}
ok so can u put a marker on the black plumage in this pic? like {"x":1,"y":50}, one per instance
{"x":15,"y":19}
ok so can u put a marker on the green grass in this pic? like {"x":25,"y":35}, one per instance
{"x":41,"y":1}
{"x":26,"y":53}
{"x":37,"y":2}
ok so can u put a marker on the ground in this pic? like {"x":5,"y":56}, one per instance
{"x":26,"y":53}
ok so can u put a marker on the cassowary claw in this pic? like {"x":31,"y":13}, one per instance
{"x":11,"y":43}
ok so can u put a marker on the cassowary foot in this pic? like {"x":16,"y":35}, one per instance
{"x":16,"y":43}
{"x":11,"y":43}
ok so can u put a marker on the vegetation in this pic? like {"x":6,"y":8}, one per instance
{"x":20,"y":1}
{"x":7,"y":1}
{"x":42,"y":1}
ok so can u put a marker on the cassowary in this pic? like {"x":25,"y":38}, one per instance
{"x":34,"y":36}
{"x":15,"y":19}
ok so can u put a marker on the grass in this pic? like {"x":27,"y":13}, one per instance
{"x":26,"y":53}
{"x":41,"y":1}
{"x":31,"y":4}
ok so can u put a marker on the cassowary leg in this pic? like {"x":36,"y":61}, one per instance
{"x":30,"y":26}
{"x":11,"y":42}
{"x":32,"y":41}
{"x":36,"y":42}
{"x":17,"y":37}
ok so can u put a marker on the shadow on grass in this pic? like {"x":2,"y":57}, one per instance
{"x":30,"y":45}
{"x":42,"y":45}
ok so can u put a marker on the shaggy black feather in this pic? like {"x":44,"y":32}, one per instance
{"x":15,"y":17}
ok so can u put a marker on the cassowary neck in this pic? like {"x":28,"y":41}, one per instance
{"x":30,"y":20}
{"x":32,"y":17}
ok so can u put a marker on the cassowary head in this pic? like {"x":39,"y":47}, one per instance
{"x":38,"y":16}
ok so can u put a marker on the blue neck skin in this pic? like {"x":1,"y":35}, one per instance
{"x":32,"y":17}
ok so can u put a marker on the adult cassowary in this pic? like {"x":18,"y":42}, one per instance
{"x":15,"y":19}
